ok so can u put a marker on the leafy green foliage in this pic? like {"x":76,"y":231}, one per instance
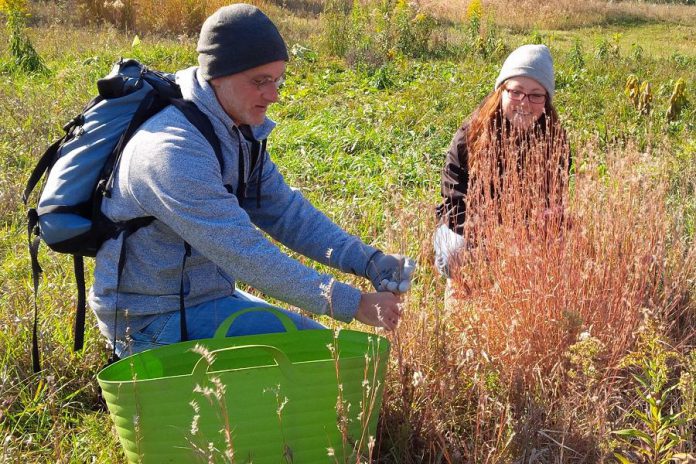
{"x":23,"y":55}
{"x":576,"y":56}
{"x":656,"y":436}
{"x":369,"y":34}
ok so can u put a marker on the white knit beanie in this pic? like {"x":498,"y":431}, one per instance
{"x":530,"y":61}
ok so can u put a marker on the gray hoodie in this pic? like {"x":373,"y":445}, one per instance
{"x":169,"y":171}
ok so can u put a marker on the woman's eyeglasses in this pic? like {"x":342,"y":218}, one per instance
{"x":518,"y":95}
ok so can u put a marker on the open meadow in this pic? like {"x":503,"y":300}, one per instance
{"x":579,"y":349}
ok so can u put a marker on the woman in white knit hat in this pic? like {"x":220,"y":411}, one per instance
{"x":512,"y":126}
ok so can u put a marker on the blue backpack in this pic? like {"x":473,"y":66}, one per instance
{"x":80,"y":168}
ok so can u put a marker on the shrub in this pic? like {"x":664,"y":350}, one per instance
{"x":542,"y":315}
{"x":372,"y":33}
{"x":657,"y":423}
{"x":336,"y":26}
{"x":576,"y":56}
{"x":24,"y":56}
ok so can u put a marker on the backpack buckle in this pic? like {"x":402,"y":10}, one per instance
{"x":78,"y":120}
{"x":102,"y":190}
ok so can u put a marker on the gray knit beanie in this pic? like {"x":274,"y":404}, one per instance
{"x":236,"y":38}
{"x":530,"y":61}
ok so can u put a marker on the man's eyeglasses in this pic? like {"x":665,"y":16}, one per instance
{"x":265,"y":83}
{"x":518,"y":95}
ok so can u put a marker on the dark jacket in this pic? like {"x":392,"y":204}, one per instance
{"x":455,"y":180}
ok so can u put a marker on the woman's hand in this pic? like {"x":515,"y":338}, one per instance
{"x":380,"y":309}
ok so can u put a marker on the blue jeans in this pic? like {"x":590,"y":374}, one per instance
{"x":203,"y":320}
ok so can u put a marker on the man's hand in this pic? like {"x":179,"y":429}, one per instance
{"x":382,"y":309}
{"x":391,"y":273}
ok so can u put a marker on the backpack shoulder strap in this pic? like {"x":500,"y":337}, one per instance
{"x":201,"y":122}
{"x":34,"y":242}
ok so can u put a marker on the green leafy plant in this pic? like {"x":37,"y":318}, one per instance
{"x":536,"y":37}
{"x":637,"y":52}
{"x":655,"y":437}
{"x":583,"y":358}
{"x":336,"y":26}
{"x":24,"y":56}
{"x":608,"y":49}
{"x":370,"y":34}
{"x":474,"y":14}
{"x":602,"y":49}
{"x":413,"y":29}
{"x":576,"y":57}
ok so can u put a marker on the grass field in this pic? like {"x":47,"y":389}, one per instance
{"x":579,"y":351}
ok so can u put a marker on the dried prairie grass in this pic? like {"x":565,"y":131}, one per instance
{"x":524,"y":15}
{"x":537,"y":281}
{"x":521,"y":363}
{"x":185,"y":17}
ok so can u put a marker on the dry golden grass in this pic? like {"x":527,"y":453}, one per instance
{"x":178,"y":18}
{"x":185,"y":17}
{"x":540,"y":278}
{"x":563,"y":14}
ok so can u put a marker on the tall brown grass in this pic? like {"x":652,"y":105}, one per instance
{"x":523,"y":363}
{"x":185,"y":17}
{"x":539,"y":280}
{"x":523,"y":15}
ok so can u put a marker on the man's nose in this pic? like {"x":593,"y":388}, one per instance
{"x":272,"y":94}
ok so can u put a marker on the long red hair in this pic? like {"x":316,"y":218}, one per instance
{"x":514,"y":174}
{"x":489,"y":129}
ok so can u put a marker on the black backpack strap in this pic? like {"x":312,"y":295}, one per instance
{"x":149,"y":106}
{"x":182,"y":305}
{"x":79,"y":328}
{"x":34,"y":239}
{"x":262,"y":155}
{"x":201,"y":122}
{"x":127,"y":228}
{"x":34,"y":242}
{"x":241,"y":183}
{"x":258,"y":151}
{"x":120,"y":266}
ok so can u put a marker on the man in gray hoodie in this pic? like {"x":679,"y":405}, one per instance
{"x":207,"y":228}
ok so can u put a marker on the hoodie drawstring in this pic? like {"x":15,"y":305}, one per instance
{"x":241,"y":184}
{"x":259,"y":175}
{"x":258,"y":150}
